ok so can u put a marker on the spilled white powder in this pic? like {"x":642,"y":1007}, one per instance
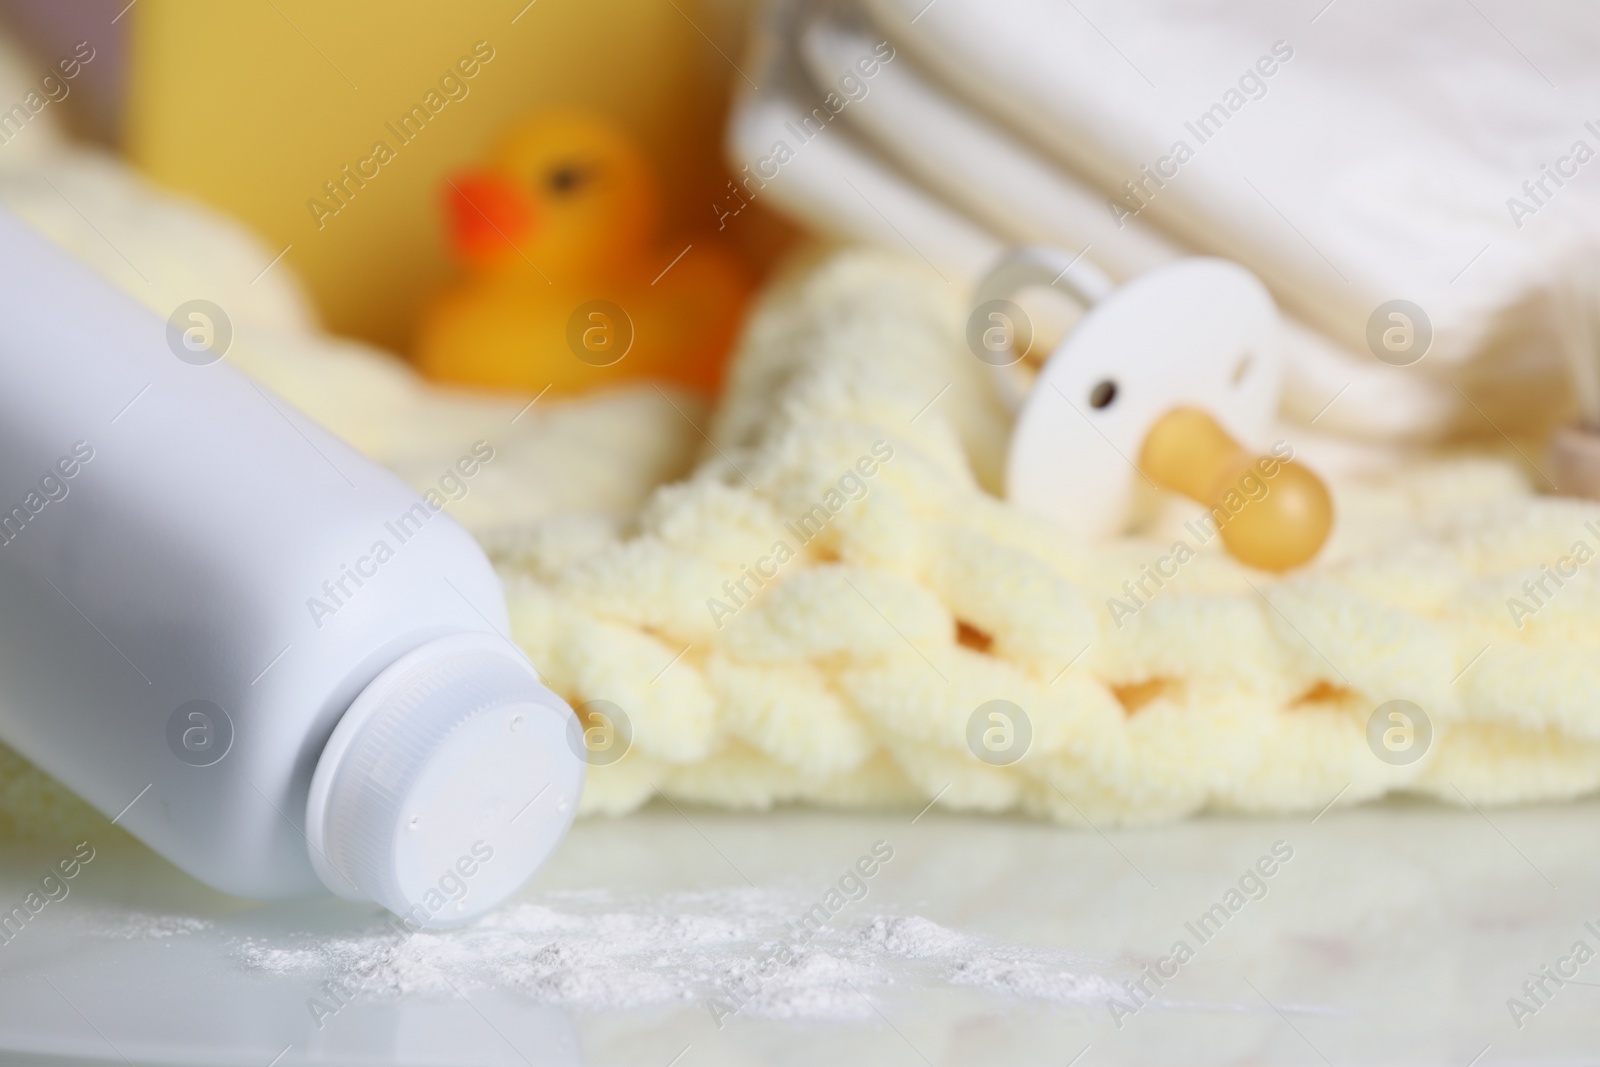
{"x":136,"y":925}
{"x":593,"y":951}
{"x":1033,"y":974}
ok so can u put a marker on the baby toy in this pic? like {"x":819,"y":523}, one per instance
{"x":568,"y":282}
{"x":1161,"y":380}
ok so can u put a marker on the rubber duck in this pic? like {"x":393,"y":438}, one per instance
{"x":567,"y":280}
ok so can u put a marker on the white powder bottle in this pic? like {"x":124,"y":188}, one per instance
{"x":265,"y":656}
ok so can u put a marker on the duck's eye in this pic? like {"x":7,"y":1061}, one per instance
{"x":566,"y":179}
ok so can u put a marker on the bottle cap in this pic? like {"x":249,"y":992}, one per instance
{"x":445,"y":785}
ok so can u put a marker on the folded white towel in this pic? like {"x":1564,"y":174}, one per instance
{"x":1346,"y":169}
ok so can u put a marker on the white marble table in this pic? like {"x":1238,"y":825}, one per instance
{"x":1394,"y":935}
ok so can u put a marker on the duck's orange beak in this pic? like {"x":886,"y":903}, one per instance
{"x":489,"y":216}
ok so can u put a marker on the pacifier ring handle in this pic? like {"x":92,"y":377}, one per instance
{"x":1050,"y":268}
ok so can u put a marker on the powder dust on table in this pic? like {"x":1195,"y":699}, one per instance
{"x":593,"y":951}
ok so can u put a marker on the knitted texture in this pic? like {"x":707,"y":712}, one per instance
{"x":848,"y":674}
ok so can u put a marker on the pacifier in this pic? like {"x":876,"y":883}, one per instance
{"x":1173,"y":377}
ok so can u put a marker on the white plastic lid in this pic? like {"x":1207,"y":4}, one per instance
{"x":445,"y":785}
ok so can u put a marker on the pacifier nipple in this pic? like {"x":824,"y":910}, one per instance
{"x":1273,"y":514}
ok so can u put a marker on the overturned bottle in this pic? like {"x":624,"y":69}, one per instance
{"x":262,"y":654}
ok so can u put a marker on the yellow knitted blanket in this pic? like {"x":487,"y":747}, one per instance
{"x":820,"y":610}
